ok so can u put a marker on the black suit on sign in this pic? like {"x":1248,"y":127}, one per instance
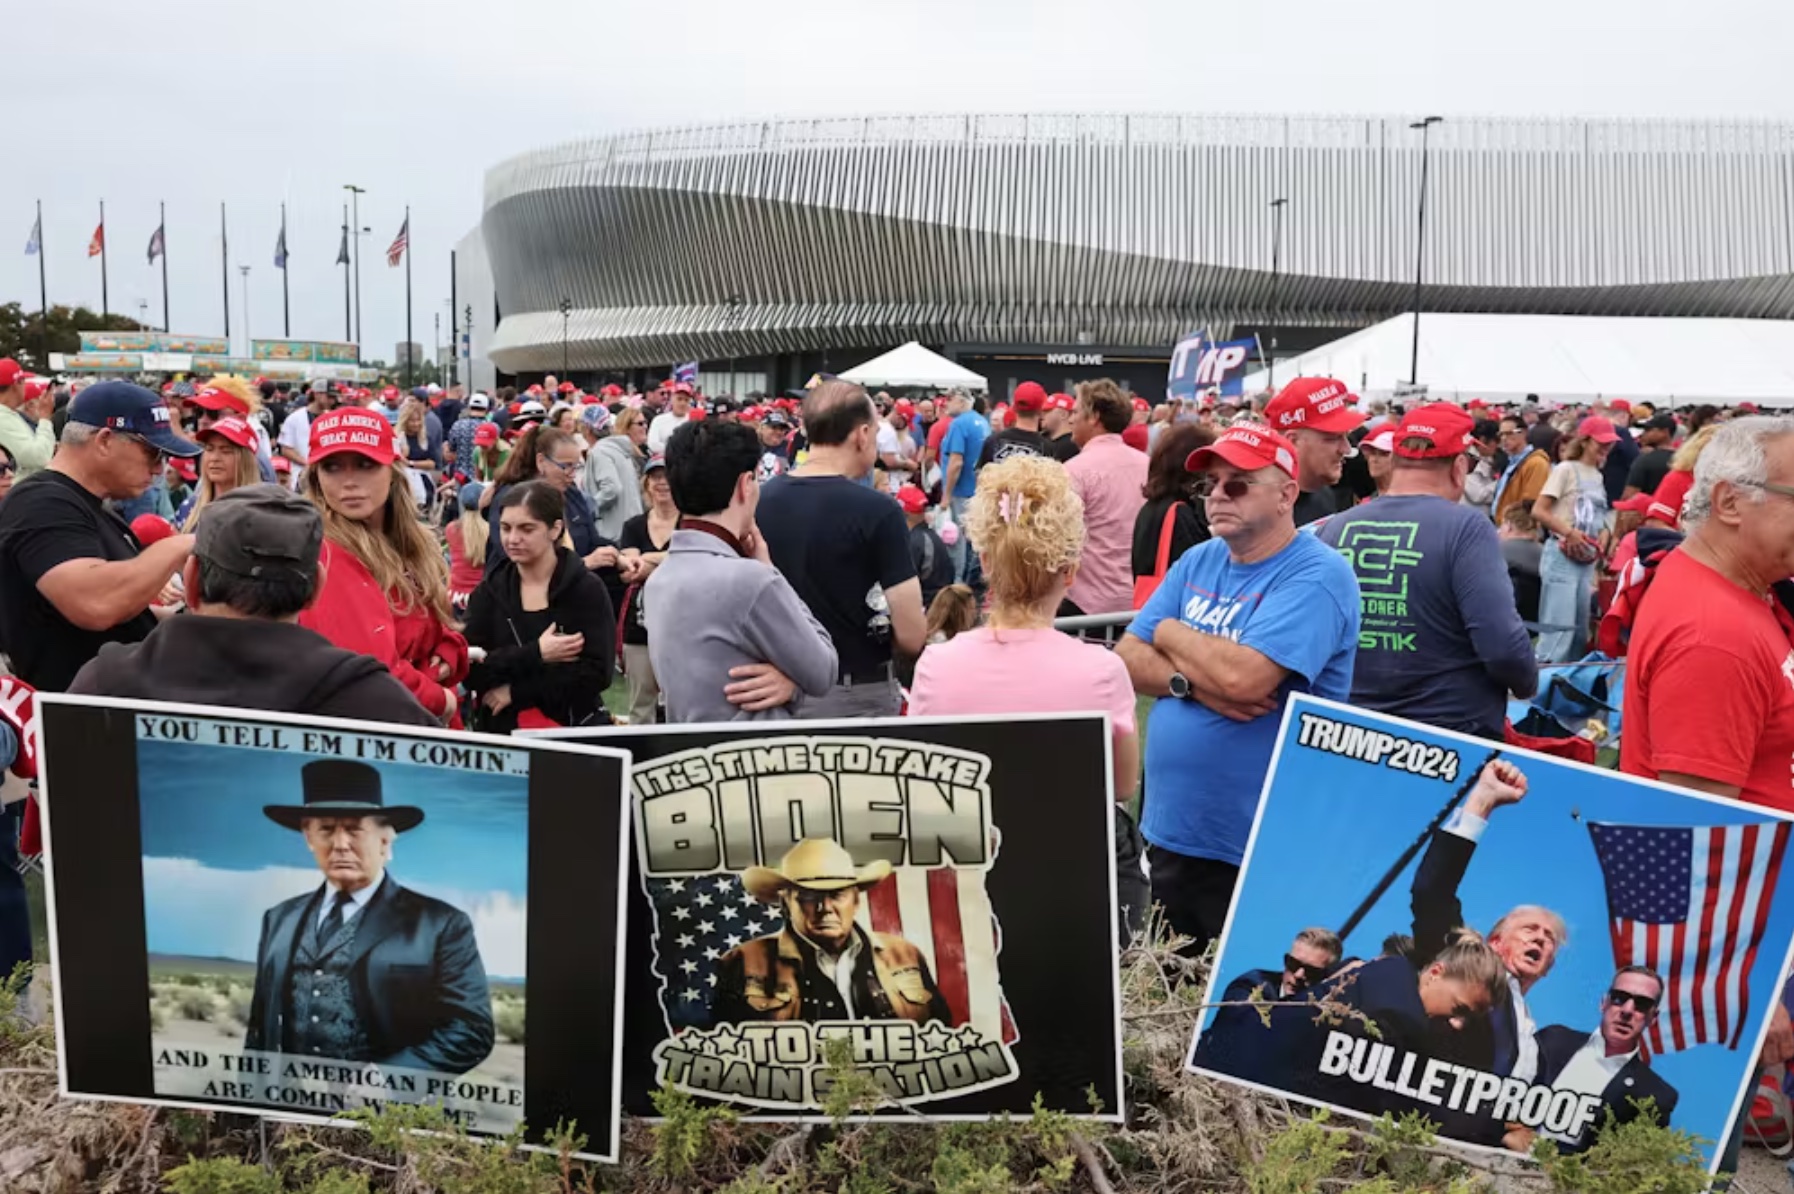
{"x":1636,"y":1080}
{"x":1491,"y":1044}
{"x":415,"y":981}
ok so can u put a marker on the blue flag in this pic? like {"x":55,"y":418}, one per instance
{"x":36,"y":243}
{"x":1198,"y":363}
{"x":280,"y":249}
{"x":687,"y":372}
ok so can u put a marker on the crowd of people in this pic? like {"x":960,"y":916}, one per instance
{"x":510,"y":560}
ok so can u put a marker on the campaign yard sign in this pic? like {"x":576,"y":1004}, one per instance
{"x":1625,"y":946}
{"x":305,"y":917}
{"x":939,"y":895}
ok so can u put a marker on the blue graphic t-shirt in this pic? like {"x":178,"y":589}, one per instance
{"x":1299,"y":609}
{"x":966,"y":437}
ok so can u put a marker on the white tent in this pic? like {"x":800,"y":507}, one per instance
{"x":913,"y":365}
{"x":1568,"y":358}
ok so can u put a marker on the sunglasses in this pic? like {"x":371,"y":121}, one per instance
{"x":1295,"y":965}
{"x":1644,"y":1003}
{"x":1234,"y":487}
{"x":156,"y":455}
{"x":7,"y":468}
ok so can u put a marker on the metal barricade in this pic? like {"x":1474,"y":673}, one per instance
{"x":1103,"y":629}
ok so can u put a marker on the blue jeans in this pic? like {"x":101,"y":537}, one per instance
{"x":966,"y":568}
{"x":1564,"y":587}
{"x":15,"y":905}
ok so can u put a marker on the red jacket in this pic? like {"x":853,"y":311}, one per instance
{"x":352,"y":612}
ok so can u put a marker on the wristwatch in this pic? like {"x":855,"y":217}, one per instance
{"x":1179,"y":684}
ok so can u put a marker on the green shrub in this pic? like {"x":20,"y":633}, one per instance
{"x":507,"y":1018}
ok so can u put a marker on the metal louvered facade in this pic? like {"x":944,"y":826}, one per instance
{"x":745,"y":240}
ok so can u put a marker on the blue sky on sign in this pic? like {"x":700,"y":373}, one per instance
{"x":1332,"y":826}
{"x":213,"y":862}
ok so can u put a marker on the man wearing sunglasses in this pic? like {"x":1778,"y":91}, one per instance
{"x":72,"y":576}
{"x":1238,"y":623}
{"x":1605,"y":1062}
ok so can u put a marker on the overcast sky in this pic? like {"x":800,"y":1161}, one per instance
{"x":194,"y":102}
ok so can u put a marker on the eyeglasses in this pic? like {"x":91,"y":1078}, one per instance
{"x":566,"y":466}
{"x":1644,"y":1003}
{"x":1234,"y":487}
{"x":156,"y":455}
{"x":1295,"y":965}
{"x":1768,"y":487}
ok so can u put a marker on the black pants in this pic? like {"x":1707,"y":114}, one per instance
{"x":1131,"y":888}
{"x":1195,"y":893}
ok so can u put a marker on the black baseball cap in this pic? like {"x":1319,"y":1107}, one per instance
{"x":259,"y":531}
{"x":1660,"y":423}
{"x":123,"y":406}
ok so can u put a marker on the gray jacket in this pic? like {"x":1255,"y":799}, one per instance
{"x":709,"y":610}
{"x":612,"y":484}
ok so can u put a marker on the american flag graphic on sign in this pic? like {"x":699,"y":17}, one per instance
{"x":1691,"y":903}
{"x":943,"y":912}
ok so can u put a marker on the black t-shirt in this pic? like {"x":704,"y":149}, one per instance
{"x":1063,"y":448}
{"x":1013,"y":441}
{"x":934,"y":563}
{"x":1188,"y":528}
{"x":841,"y":545}
{"x":635,"y":534}
{"x":1648,"y":471}
{"x":49,"y":520}
{"x":1310,"y":506}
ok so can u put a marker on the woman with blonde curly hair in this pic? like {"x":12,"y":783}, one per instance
{"x":383,"y":584}
{"x":1027,"y":525}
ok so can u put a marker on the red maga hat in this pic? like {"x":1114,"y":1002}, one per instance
{"x":1314,"y":404}
{"x":1446,"y":429}
{"x":1248,"y":447}
{"x":352,"y":429}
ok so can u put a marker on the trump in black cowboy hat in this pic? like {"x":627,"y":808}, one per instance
{"x":362,"y":969}
{"x":822,"y":965}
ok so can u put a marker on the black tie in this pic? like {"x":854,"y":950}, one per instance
{"x":333,"y":920}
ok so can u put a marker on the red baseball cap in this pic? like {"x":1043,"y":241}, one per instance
{"x":1141,"y":403}
{"x":213,"y":399}
{"x":485,"y":435}
{"x":353,"y":429}
{"x":1030,"y":397}
{"x":1598,"y":429}
{"x":904,"y":407}
{"x":389,"y":394}
{"x":1446,"y":429}
{"x":913,"y":500}
{"x":683,"y":387}
{"x":1062,"y":402}
{"x":1475,"y":404}
{"x":34,"y":386}
{"x":1314,"y":404}
{"x":1744,"y":408}
{"x":566,"y":387}
{"x":1250,"y":447}
{"x":612,"y":391}
{"x":1618,"y":404}
{"x":10,"y":373}
{"x":1137,"y":437}
{"x":184,"y":468}
{"x":237,"y":431}
{"x":1382,"y":441}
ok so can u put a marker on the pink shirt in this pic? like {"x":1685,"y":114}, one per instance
{"x":1022,"y":671}
{"x":1109,"y":476}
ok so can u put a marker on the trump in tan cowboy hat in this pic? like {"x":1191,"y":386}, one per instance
{"x":822,"y":965}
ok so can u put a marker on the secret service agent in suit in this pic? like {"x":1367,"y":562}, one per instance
{"x":821,"y":965}
{"x":1527,"y":938}
{"x":363,"y":969}
{"x":1606,"y":1062}
{"x":1240,"y":1023}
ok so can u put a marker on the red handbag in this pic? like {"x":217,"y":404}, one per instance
{"x":1146,"y":586}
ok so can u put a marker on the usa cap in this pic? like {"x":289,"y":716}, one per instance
{"x":129,"y":408}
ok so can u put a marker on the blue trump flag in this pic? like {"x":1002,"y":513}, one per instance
{"x":1198,"y":363}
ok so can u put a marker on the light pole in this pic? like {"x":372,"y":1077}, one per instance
{"x":566,"y":315}
{"x":1420,"y":246}
{"x":355,"y":194}
{"x":736,"y":303}
{"x":1277,"y":206}
{"x":248,"y":343}
{"x":467,"y":326}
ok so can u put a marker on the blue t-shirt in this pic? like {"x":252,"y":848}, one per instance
{"x":966,"y":438}
{"x":1299,"y":609}
{"x":1440,"y":639}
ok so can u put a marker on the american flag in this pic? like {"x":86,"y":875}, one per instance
{"x":97,"y":244}
{"x":1691,"y":903}
{"x":395,"y":252}
{"x":688,"y":372}
{"x":943,"y":912}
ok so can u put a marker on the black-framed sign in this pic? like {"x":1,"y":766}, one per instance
{"x":939,"y":893}
{"x":305,"y":916}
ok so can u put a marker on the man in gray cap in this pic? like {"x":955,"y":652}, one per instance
{"x":254,"y":567}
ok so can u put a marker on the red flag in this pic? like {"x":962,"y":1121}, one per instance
{"x":97,"y":245}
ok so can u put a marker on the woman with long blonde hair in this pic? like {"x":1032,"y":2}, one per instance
{"x":1027,"y":525}
{"x":383,"y":586}
{"x":466,"y":538}
{"x":228,"y":463}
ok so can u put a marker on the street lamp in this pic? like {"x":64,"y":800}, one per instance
{"x":248,"y":341}
{"x":1420,"y":246}
{"x":566,"y":314}
{"x":1277,"y":206}
{"x":355,"y":194}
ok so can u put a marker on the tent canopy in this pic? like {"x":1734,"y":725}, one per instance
{"x":913,"y":365}
{"x":1569,"y":358}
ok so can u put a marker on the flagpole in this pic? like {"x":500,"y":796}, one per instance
{"x":286,"y":300}
{"x":343,"y":260}
{"x":105,"y":296}
{"x":454,"y":328}
{"x":410,"y":348}
{"x":43,"y":295}
{"x":166,"y":326}
{"x":224,"y":243}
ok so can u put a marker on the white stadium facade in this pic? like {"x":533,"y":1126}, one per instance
{"x":1063,"y":247}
